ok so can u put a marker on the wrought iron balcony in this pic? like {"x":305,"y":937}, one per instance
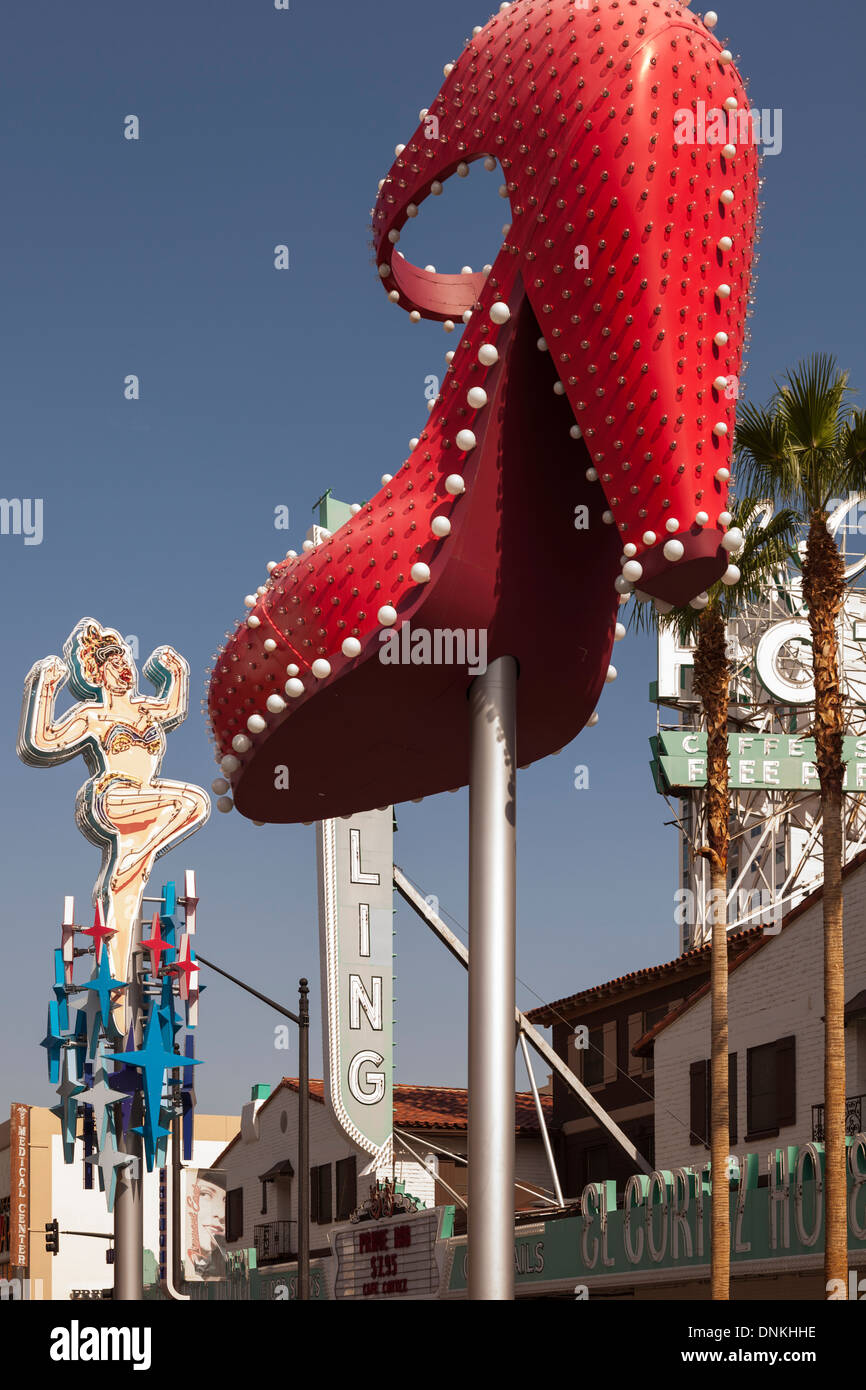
{"x":275,"y":1240}
{"x":854,"y":1110}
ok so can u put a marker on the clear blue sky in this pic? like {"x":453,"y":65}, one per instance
{"x":261,"y":388}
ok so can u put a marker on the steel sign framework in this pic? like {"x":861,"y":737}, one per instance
{"x":775,"y":854}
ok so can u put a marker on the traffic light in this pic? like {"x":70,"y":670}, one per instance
{"x":52,"y":1237}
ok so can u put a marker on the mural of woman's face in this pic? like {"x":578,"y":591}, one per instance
{"x":211,"y":1213}
{"x":117,"y":673}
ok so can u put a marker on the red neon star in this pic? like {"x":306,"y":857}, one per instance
{"x":155,"y":944}
{"x":99,"y":931}
{"x":184,"y":968}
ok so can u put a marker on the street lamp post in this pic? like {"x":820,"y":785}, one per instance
{"x":304,"y":1143}
{"x":302,"y":1019}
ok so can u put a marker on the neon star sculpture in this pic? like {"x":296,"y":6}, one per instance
{"x":78,"y":1058}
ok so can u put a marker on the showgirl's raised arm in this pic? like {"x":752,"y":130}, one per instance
{"x":169,"y":672}
{"x":42,"y":741}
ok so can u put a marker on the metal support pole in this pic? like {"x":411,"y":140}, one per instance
{"x":175,"y":1254}
{"x":128,"y":1203}
{"x":304,"y":1141}
{"x":541,"y":1122}
{"x":492,"y":926}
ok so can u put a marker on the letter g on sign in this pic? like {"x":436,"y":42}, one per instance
{"x":376,"y":1079}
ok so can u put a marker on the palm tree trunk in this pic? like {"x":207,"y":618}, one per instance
{"x":711,"y":678}
{"x":823,"y":590}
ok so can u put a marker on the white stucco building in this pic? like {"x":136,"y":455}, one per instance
{"x":429,"y":1125}
{"x":776,"y":1040}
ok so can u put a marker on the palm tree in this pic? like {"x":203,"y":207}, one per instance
{"x":806,"y":446}
{"x":766,"y":549}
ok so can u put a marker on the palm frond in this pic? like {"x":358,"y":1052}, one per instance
{"x":853,"y":447}
{"x":642,"y":617}
{"x":767,"y":552}
{"x":810,"y":402}
{"x":799,"y":447}
{"x":765,"y":461}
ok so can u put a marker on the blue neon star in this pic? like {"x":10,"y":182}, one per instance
{"x":102,"y":983}
{"x":53,"y":1042}
{"x":109,"y":1161}
{"x":88,"y":1018}
{"x":78,"y":1050}
{"x":67,"y":1110}
{"x":168,"y":1019}
{"x":101,"y":1097}
{"x":153,"y":1060}
{"x":60,"y":988}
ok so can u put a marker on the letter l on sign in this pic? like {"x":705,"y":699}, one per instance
{"x":356,"y":873}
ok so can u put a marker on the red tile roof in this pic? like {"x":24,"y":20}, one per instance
{"x":428,"y":1108}
{"x":439,"y":1107}
{"x":644,"y":1045}
{"x":694,"y":962}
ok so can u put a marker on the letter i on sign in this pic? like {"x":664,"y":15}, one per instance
{"x":364,"y":929}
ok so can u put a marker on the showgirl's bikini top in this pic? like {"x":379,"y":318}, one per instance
{"x":120,"y":737}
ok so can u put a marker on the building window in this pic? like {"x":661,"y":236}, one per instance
{"x":593,"y":1059}
{"x":771,"y":1088}
{"x":451,"y":1188}
{"x":701,"y":1101}
{"x":650,"y":1018}
{"x":347,"y":1190}
{"x":596,"y":1163}
{"x":320,"y":1195}
{"x":234,"y":1213}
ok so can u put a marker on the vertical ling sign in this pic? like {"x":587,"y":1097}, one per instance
{"x":356,"y":874}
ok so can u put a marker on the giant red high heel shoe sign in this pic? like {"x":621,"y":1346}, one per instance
{"x":590,"y":385}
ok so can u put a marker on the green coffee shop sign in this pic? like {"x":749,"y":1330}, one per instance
{"x":768,"y":761}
